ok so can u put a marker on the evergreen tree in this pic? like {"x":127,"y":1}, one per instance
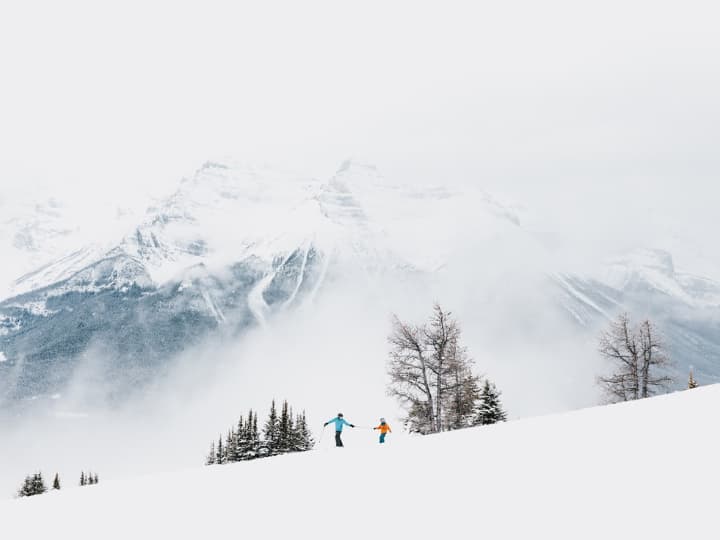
{"x":253,"y":437}
{"x":285,"y":430}
{"x":419,"y":418}
{"x":210,"y":459}
{"x":230,"y":447}
{"x":303,"y":438}
{"x":39,"y":484}
{"x":27,"y":489}
{"x":692,"y":383}
{"x":83,"y":481}
{"x":295,"y":439}
{"x":240,"y":441}
{"x":271,"y":432}
{"x":248,"y":440}
{"x":220,"y":456}
{"x":96,"y":479}
{"x":33,"y":485}
{"x":490,"y":410}
{"x":56,"y":482}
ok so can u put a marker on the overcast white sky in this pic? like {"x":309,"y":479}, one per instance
{"x":598,"y":117}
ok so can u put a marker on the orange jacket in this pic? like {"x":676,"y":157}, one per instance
{"x":384,"y":428}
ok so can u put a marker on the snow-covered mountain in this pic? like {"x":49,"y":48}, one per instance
{"x":32,"y":233}
{"x":38,"y":228}
{"x":646,"y":284}
{"x":233,"y":245}
{"x":560,"y":477}
{"x":236,"y":244}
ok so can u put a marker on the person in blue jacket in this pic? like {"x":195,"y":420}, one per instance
{"x":339,"y":422}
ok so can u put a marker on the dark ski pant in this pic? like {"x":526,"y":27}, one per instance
{"x":382,"y":438}
{"x":338,"y":440}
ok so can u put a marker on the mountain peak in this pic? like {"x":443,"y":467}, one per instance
{"x":649,"y":259}
{"x":357,"y":170}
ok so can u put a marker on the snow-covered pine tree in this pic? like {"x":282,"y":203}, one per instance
{"x":38,"y":484}
{"x":246,"y":443}
{"x":240,"y":440}
{"x":295,"y":442}
{"x":692,"y":383}
{"x":419,"y":418}
{"x":32,"y":485}
{"x":304,"y":440}
{"x":253,"y":437}
{"x":285,"y":428}
{"x":230,"y":446}
{"x":96,"y":479}
{"x":220,"y":455}
{"x":83,"y":481}
{"x":490,"y":410}
{"x":271,"y":433}
{"x":210,"y":459}
{"x":56,"y":481}
{"x":26,"y":490}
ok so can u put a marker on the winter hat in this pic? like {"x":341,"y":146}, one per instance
{"x":382,"y":420}
{"x":340,"y":415}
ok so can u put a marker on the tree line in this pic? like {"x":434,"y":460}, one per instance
{"x":34,"y":484}
{"x":432,"y":376}
{"x":282,"y":433}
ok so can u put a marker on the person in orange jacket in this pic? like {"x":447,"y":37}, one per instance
{"x":384,"y":428}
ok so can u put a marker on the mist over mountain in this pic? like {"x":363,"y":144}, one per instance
{"x":236,"y":246}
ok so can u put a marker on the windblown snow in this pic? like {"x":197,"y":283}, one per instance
{"x":645,"y":469}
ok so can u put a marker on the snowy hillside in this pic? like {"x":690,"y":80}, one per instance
{"x":645,"y":469}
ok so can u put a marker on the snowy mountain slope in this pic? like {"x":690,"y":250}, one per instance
{"x":646,"y":283}
{"x":230,"y":247}
{"x":32,"y":233}
{"x":38,"y":228}
{"x":561,"y":477}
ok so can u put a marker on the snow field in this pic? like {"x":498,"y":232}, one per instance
{"x":639,"y":470}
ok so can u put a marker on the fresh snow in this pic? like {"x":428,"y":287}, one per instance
{"x":646,"y":469}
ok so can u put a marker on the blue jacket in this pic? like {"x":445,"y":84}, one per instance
{"x":339,"y":423}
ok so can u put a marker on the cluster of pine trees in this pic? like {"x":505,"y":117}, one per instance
{"x":33,"y":485}
{"x":282,"y":434}
{"x":432,"y":376}
{"x":89,"y":479}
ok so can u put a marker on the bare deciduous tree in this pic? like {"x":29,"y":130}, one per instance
{"x":430,"y":373}
{"x":410,"y":375}
{"x":654,"y":356}
{"x":636,"y":353}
